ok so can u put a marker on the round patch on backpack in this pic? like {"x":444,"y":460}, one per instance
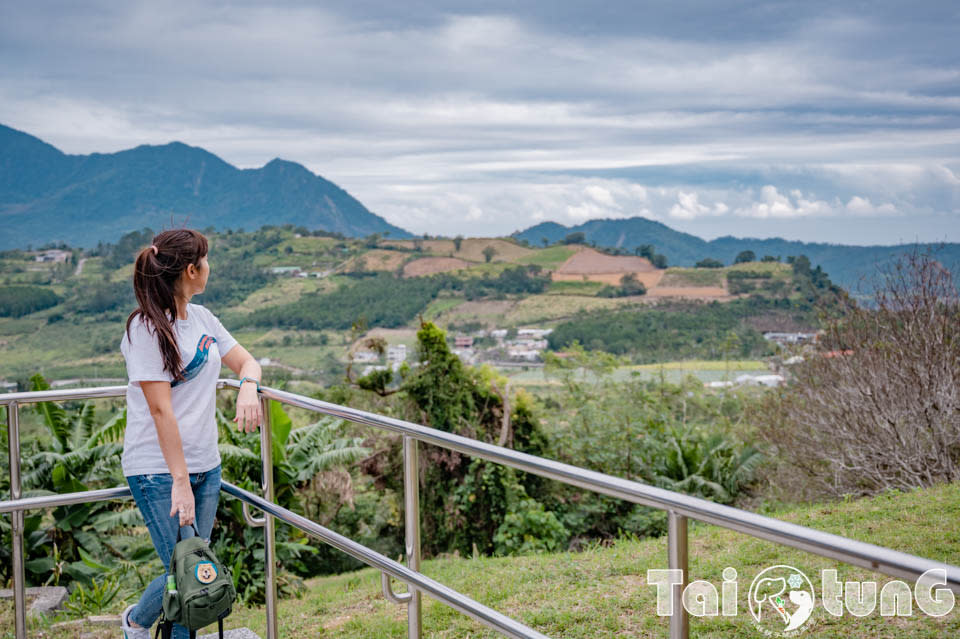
{"x":206,"y":572}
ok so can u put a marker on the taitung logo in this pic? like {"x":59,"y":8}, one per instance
{"x":781,"y":600}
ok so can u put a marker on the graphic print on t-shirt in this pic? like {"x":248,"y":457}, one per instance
{"x":199,"y":360}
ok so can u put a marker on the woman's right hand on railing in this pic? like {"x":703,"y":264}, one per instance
{"x":181,"y":500}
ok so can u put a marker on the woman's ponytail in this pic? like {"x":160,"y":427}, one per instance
{"x":155,"y":275}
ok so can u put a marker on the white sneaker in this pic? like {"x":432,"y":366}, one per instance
{"x":129,"y":632}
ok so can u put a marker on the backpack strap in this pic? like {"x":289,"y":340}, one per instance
{"x":165,"y":627}
{"x":192,"y":525}
{"x":220,"y":626}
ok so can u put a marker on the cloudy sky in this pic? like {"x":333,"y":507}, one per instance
{"x":828,"y":121}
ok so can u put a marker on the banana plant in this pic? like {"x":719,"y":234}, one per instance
{"x":302,"y":459}
{"x":80,"y":455}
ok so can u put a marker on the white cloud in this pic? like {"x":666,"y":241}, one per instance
{"x":688,"y":207}
{"x":601,"y":195}
{"x":471,"y":121}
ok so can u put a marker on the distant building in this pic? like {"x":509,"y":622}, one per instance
{"x":292,"y":271}
{"x":463,"y":341}
{"x":397,"y":354}
{"x":790,"y":338}
{"x":524,"y":354}
{"x":466,"y":355}
{"x":53,"y":255}
{"x":532,"y":344}
{"x":534,"y":333}
{"x":761,"y":380}
{"x":499,"y":333}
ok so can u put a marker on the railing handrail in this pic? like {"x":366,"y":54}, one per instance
{"x":412,"y":578}
{"x":884,"y":560}
{"x":678,"y":505}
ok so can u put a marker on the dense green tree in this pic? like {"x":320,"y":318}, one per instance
{"x":17,"y":301}
{"x":467,"y":501}
{"x":745,"y":256}
{"x":709,"y":262}
{"x":382,"y":300}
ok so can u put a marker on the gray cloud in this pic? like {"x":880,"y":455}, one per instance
{"x":741,"y":117}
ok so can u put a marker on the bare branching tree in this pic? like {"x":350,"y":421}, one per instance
{"x":876,"y":406}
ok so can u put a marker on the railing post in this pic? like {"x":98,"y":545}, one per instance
{"x":411,"y":516}
{"x":677,"y":558}
{"x":269,"y":529}
{"x":16,"y":520}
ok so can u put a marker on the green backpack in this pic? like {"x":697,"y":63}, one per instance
{"x":199,"y":588}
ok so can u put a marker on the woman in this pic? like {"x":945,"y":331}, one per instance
{"x":173,"y":351}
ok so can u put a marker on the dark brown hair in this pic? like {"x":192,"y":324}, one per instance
{"x":155,"y":275}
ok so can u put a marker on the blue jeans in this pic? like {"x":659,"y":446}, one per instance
{"x":152,"y":494}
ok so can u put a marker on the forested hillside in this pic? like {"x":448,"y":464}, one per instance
{"x":302,"y":297}
{"x":49,"y":196}
{"x":853,"y":267}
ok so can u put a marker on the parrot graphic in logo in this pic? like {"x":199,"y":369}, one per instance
{"x":199,"y":360}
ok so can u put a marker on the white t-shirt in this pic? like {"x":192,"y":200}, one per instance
{"x":202,"y":340}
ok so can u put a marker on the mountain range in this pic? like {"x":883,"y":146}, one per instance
{"x":49,"y":196}
{"x":852,"y":267}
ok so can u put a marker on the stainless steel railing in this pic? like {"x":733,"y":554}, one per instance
{"x":679,"y":508}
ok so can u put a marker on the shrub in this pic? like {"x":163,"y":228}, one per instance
{"x":709,"y":262}
{"x":529,"y":529}
{"x":17,"y":301}
{"x":876,"y":405}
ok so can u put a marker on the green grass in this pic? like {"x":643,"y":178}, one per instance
{"x":603,"y":591}
{"x":704,"y":365}
{"x":549,"y":258}
{"x":63,"y":349}
{"x":574,"y":288}
{"x":439,"y":306}
{"x":777,"y":269}
{"x":695,"y":277}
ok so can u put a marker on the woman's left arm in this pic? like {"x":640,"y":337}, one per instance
{"x":249,"y":414}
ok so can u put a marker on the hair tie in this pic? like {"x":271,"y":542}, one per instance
{"x":154,"y":247}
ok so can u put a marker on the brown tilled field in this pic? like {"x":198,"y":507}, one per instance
{"x":431,"y":265}
{"x":594,"y":266}
{"x":587,"y":261}
{"x":378,"y":260}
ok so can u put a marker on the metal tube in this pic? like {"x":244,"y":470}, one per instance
{"x":253,"y":522}
{"x":677,"y":559}
{"x":883,"y":560}
{"x":66,"y":499}
{"x":462,"y":603}
{"x":411,"y":516}
{"x":269,"y":529}
{"x":33,"y":397}
{"x":16,"y":519}
{"x":876,"y":558}
{"x":389,"y":595}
